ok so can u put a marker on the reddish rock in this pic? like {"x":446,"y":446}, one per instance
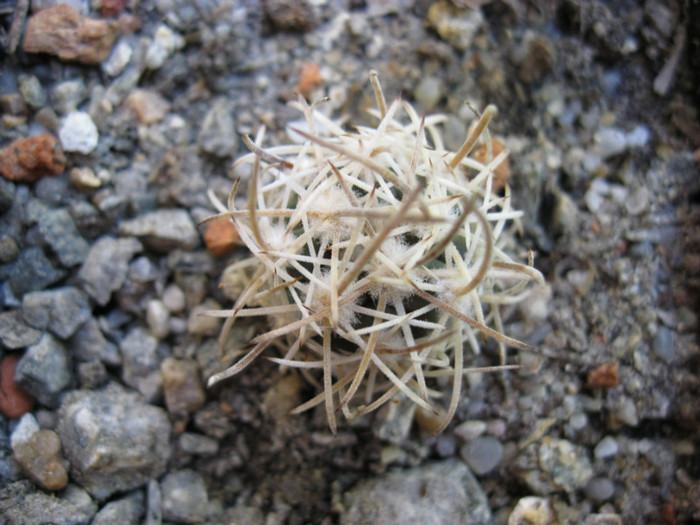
{"x":603,"y":376}
{"x":113,"y":7}
{"x":221,"y":238}
{"x":14,"y":401}
{"x":310,"y":78}
{"x":61,"y":31}
{"x":26,"y":160}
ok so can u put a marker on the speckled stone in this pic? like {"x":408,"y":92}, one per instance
{"x":45,"y":371}
{"x":185,"y":497}
{"x":62,"y":310}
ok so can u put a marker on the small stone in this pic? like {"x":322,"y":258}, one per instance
{"x":198,"y":444}
{"x":114,"y":442}
{"x":289,"y":16}
{"x":606,"y":448}
{"x":14,"y":332}
{"x":158,"y":318}
{"x":61,"y":31}
{"x":610,"y":142}
{"x":185,"y":498}
{"x":31,"y":91}
{"x":22,"y":504}
{"x":14,"y":400}
{"x":182,"y":386}
{"x":13,"y":104}
{"x":118,"y":59}
{"x":61,"y":310}
{"x":140,"y":360}
{"x":7,"y":191}
{"x":482,"y":454}
{"x":26,"y":160}
{"x":201,"y":324}
{"x":470,"y":429}
{"x":638,"y":201}
{"x":429,"y":91}
{"x":106,"y":265}
{"x":92,"y":374}
{"x":174,"y":298}
{"x":603,"y":376}
{"x":84,"y":179}
{"x":58,"y":230}
{"x":165,"y":42}
{"x":221,"y":238}
{"x":89,"y":344}
{"x":163,"y":230}
{"x":625,"y":413}
{"x":218,"y":134}
{"x":125,"y":510}
{"x":599,"y":489}
{"x":663,"y":345}
{"x":112,"y":8}
{"x":67,"y":96}
{"x":40,"y":458}
{"x":603,"y":519}
{"x":457,"y":26}
{"x":310,"y":78}
{"x":44,"y":370}
{"x":78,"y":133}
{"x":148,"y":106}
{"x":638,"y":137}
{"x":501,"y":175}
{"x":532,"y":510}
{"x":554,"y":465}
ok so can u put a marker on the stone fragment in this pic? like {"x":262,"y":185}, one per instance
{"x":140,"y":361}
{"x":92,"y":374}
{"x":158,"y":318}
{"x":33,"y":271}
{"x":148,"y":106}
{"x":14,"y":332}
{"x":174,"y":298}
{"x":532,"y":510}
{"x":553,"y":465}
{"x":599,"y":489}
{"x":217,"y":135}
{"x":221,"y":238}
{"x":456,"y":25}
{"x":58,"y":230}
{"x":182,"y":386}
{"x":78,"y":133}
{"x":40,"y":458}
{"x":185,"y":498}
{"x":501,"y":175}
{"x":482,"y":454}
{"x":201,"y":324}
{"x":14,"y":400}
{"x":128,"y":509}
{"x":67,"y":96}
{"x":21,"y":504}
{"x":61,"y":310}
{"x":433,"y":494}
{"x":7,"y":193}
{"x":118,"y":60}
{"x":113,"y":441}
{"x":8,"y":249}
{"x":163,"y":230}
{"x":198,"y":444}
{"x":603,"y":376}
{"x":89,"y":343}
{"x":44,"y":370}
{"x":61,"y":31}
{"x":32,"y":92}
{"x":165,"y":42}
{"x":289,"y":16}
{"x":26,"y":160}
{"x":113,"y":7}
{"x":105,"y":267}
{"x":84,"y":178}
{"x":310,"y":78}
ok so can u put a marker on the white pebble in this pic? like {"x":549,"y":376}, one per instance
{"x":78,"y":133}
{"x":610,"y":142}
{"x":158,"y":318}
{"x":606,"y":448}
{"x":174,"y":298}
{"x":24,"y":431}
{"x":118,"y":59}
{"x":638,"y":137}
{"x":164,"y":43}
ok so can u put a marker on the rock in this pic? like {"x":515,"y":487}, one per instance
{"x":113,"y":7}
{"x":88,"y":344}
{"x":394,"y":421}
{"x":148,"y":106}
{"x":289,"y":16}
{"x":113,"y":441}
{"x":182,"y":386}
{"x":599,"y":489}
{"x":470,"y":429}
{"x":310,"y":78}
{"x":125,"y":510}
{"x":606,"y":448}
{"x":457,"y":26}
{"x":174,"y":298}
{"x":14,"y":332}
{"x":59,"y":231}
{"x":218,"y":133}
{"x":141,"y":362}
{"x":8,"y":249}
{"x":164,"y":43}
{"x":78,"y":133}
{"x":610,"y":142}
{"x":67,"y":96}
{"x":40,"y":457}
{"x":62,"y":310}
{"x":482,"y":454}
{"x":118,"y":59}
{"x":221,"y":238}
{"x":532,"y":511}
{"x":61,"y":31}
{"x":184,"y":496}
{"x":201,"y":324}
{"x":435,"y":493}
{"x":32,"y":92}
{"x":84,"y":179}
{"x":20,"y":504}
{"x":26,"y":160}
{"x":663,"y":345}
{"x":553,"y":465}
{"x":14,"y":400}
{"x":104,"y":270}
{"x":197,"y":444}
{"x":429,"y":91}
{"x":33,"y":271}
{"x":158,"y":318}
{"x":163,"y":230}
{"x":92,"y":374}
{"x":44,"y":370}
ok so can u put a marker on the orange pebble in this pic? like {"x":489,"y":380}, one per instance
{"x":604,"y":376}
{"x":501,"y":175}
{"x":221,"y":238}
{"x":310,"y":78}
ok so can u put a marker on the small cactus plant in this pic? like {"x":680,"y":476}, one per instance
{"x":379,"y":258}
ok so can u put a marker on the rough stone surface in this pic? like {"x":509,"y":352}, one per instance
{"x":61,"y":31}
{"x":140,"y":361}
{"x":14,"y":400}
{"x":217,"y":135}
{"x":20,"y":504}
{"x":32,"y":270}
{"x":106,"y":265}
{"x":436,"y":493}
{"x":26,"y":160}
{"x":40,"y":458}
{"x":58,"y":230}
{"x":89,"y":343}
{"x":44,"y":370}
{"x":78,"y":133}
{"x":182,"y":386}
{"x":62,"y":310}
{"x":113,"y":441}
{"x":14,"y":332}
{"x":126,"y":510}
{"x":163,"y":230}
{"x":184,"y":496}
{"x":482,"y":454}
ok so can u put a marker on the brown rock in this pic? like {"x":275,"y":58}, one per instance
{"x":310,"y":78}
{"x":14,"y":401}
{"x":603,"y":376}
{"x":26,"y":160}
{"x":61,"y":31}
{"x":113,"y":7}
{"x":501,"y":175}
{"x":40,"y":458}
{"x":221,"y":237}
{"x":182,"y":386}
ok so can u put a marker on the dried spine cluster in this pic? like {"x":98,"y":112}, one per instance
{"x":378,"y":258}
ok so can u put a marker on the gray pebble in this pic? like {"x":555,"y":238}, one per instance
{"x":163,"y":230}
{"x":482,"y":454}
{"x":638,"y":201}
{"x":106,"y":265}
{"x":33,"y":271}
{"x":44,"y":370}
{"x":606,"y":448}
{"x":218,"y":136}
{"x":92,"y":374}
{"x":119,"y":59}
{"x":8,"y":249}
{"x":174,"y":298}
{"x":158,"y":318}
{"x":198,"y":444}
{"x":599,"y":489}
{"x":89,"y":343}
{"x":67,"y":96}
{"x":58,"y":230}
{"x":663,"y":345}
{"x":626,"y":412}
{"x":140,"y":358}
{"x":61,"y":310}
{"x":184,"y":496}
{"x":31,"y":91}
{"x":7,"y":195}
{"x":429,"y":91}
{"x":113,"y":441}
{"x":445,"y":445}
{"x":21,"y":504}
{"x":124,"y":511}
{"x":431,"y":494}
{"x":14,"y":332}
{"x":610,"y":142}
{"x":470,"y":429}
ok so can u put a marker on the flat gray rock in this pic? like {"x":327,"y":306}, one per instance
{"x":106,"y":266}
{"x":163,"y":230}
{"x":61,"y":310}
{"x":14,"y":332}
{"x":45,"y":370}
